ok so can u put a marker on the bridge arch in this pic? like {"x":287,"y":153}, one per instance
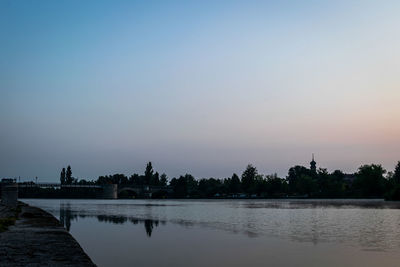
{"x":128,"y":192}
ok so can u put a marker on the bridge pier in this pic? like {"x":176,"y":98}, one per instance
{"x":110,"y":191}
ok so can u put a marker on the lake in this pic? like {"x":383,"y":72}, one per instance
{"x":232,"y":232}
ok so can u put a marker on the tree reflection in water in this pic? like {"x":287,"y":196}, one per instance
{"x":67,"y":216}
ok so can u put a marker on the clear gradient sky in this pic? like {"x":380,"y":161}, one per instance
{"x":203,"y":87}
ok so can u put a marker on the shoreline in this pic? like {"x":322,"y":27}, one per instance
{"x":222,"y":198}
{"x":38,"y":239}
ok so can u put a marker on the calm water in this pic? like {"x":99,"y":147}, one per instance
{"x":233,"y":232}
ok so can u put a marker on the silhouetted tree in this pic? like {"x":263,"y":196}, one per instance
{"x":260,"y":185}
{"x":370,"y":181}
{"x":68,"y":175}
{"x":322,"y":178}
{"x":275,"y":186}
{"x":210,"y":187}
{"x":148,"y":173}
{"x":184,"y":186}
{"x":136,"y":179}
{"x":248,"y":178}
{"x":155,"y":180}
{"x":335,"y":185}
{"x":294,"y":175}
{"x":306,"y":185}
{"x":62,"y":176}
{"x":392,"y":188}
{"x":163,"y":179}
{"x":117,"y":178}
{"x":235,"y":184}
{"x":396,"y":174}
{"x":338,"y":174}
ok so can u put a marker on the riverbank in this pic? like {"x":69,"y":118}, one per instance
{"x":38,"y":239}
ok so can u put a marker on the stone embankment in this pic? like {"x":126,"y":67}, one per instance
{"x":36,"y":238}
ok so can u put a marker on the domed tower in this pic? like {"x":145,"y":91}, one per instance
{"x":313,"y":165}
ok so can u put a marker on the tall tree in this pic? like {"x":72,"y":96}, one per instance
{"x":68,"y":175}
{"x":234,"y":186}
{"x":62,"y":176}
{"x":396,"y":174}
{"x":184,"y":186}
{"x":306,"y":185}
{"x":163,"y":179}
{"x":393,"y":186}
{"x":155,"y":180}
{"x":136,"y":179}
{"x":294,"y":175}
{"x":370,"y":181}
{"x":275,"y":186}
{"x":248,"y":178}
{"x":148,"y":173}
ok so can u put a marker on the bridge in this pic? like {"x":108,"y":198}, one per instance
{"x":108,"y":191}
{"x":146,"y":191}
{"x":56,"y":185}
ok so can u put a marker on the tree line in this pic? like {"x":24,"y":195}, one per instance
{"x":370,"y":181}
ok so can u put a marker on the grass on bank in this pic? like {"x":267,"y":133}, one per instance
{"x":6,"y":222}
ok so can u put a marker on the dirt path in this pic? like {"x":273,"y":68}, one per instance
{"x":38,"y":239}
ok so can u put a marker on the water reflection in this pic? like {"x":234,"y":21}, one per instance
{"x":365,"y":224}
{"x":322,"y":204}
{"x":280,"y":232}
{"x":233,"y":233}
{"x":67,"y":216}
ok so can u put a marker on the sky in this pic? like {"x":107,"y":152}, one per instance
{"x":200,"y":87}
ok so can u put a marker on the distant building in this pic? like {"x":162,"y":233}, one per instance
{"x":313,"y":165}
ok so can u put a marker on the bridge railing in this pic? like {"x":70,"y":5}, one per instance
{"x":144,"y":188}
{"x":53,"y":185}
{"x":58,"y":185}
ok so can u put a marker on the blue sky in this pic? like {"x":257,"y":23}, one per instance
{"x":201,"y":87}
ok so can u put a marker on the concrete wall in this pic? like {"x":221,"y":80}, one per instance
{"x":110,"y":191}
{"x":9,"y":194}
